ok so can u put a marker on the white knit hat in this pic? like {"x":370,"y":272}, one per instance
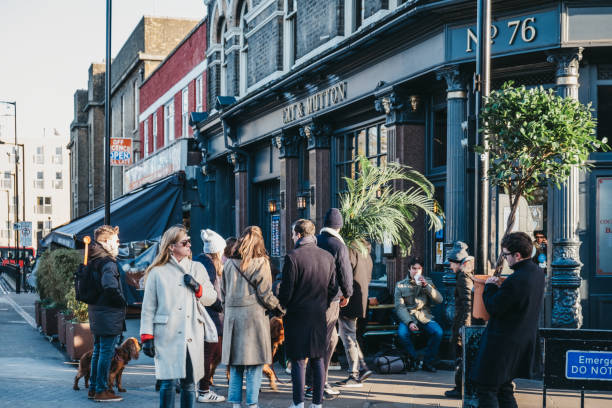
{"x":213,"y":242}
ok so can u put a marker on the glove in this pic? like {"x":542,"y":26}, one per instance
{"x":148,"y":347}
{"x":191,"y":282}
{"x":278,"y":312}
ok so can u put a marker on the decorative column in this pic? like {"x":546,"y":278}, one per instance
{"x":287,"y":142}
{"x":318,"y":136}
{"x":455,"y":228}
{"x":405,"y":125}
{"x":239,"y":162}
{"x":566,"y":265}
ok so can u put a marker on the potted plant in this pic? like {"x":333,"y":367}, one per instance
{"x":375,"y":211}
{"x":533,"y":136}
{"x":79,"y":339}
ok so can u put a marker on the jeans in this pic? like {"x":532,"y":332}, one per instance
{"x":298,"y":379}
{"x":434,"y":336}
{"x":212,"y":357}
{"x":354,"y":356}
{"x":501,"y":396}
{"x":331,"y":316}
{"x":103,"y":352}
{"x":253,"y":383}
{"x":167,"y":389}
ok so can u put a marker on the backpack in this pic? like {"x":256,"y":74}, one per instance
{"x":87,"y":286}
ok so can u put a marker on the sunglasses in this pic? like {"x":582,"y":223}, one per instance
{"x":185,"y":242}
{"x":506,"y":254}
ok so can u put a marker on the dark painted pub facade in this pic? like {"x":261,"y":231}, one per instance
{"x":299,"y":89}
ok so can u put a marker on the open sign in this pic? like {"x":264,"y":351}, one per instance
{"x":120,"y":151}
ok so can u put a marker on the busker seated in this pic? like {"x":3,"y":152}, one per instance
{"x":413,"y":298}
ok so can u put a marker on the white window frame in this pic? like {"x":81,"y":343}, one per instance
{"x":154,"y":131}
{"x":169,"y":122}
{"x":121,"y":124}
{"x":39,"y":182}
{"x":198,"y":93}
{"x":39,"y":158}
{"x":185,"y":112}
{"x":58,"y":183}
{"x":145,"y":138}
{"x":289,"y":38}
{"x":223,"y":82}
{"x":244,"y":48}
{"x":136,"y":103}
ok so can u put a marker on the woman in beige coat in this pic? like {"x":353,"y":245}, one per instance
{"x":174,"y":322}
{"x":246,"y":291}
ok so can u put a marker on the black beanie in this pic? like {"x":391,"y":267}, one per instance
{"x":333,"y":219}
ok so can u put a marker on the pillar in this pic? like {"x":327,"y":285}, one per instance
{"x":241,"y":180}
{"x":318,"y":136}
{"x":455,"y":209}
{"x":287,"y":143}
{"x":405,"y":123}
{"x":566,"y":265}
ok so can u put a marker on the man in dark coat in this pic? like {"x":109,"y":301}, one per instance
{"x":463,"y":266}
{"x":107,"y":315}
{"x":507,"y":348}
{"x":330,"y":240}
{"x":307,"y":288}
{"x":361,"y":263}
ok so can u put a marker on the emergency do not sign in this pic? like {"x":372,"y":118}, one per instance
{"x":588,"y":365}
{"x":120,"y":151}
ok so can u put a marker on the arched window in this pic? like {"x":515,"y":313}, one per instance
{"x":290,"y":38}
{"x":223,"y":74}
{"x":243,"y":51}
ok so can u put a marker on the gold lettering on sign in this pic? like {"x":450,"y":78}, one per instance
{"x":314,"y":103}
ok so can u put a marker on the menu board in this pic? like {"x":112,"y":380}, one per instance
{"x":275,"y":239}
{"x":604,"y":226}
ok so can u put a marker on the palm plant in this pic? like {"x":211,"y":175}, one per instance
{"x":374,"y":211}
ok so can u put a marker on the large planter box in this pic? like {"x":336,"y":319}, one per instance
{"x":49,"y":321}
{"x":37,"y":312}
{"x":61,"y":328}
{"x":79,"y":339}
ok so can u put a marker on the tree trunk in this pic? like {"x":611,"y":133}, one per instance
{"x":511,"y":218}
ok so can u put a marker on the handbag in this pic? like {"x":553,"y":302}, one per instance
{"x":389,"y":364}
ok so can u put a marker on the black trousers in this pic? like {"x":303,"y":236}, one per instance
{"x":498,"y":396}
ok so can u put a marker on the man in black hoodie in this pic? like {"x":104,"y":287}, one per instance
{"x":330,"y":240}
{"x":107,"y":314}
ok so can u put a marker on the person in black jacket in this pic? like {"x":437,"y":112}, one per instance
{"x":107,"y":315}
{"x":330,"y":240}
{"x":507,"y":348}
{"x":307,"y":288}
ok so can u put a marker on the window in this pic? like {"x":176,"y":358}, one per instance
{"x":154,"y":131}
{"x":198,"y":92}
{"x":604,"y":113}
{"x":370,"y":142}
{"x":121,"y":123}
{"x":290,"y":40}
{"x":39,"y":181}
{"x":185,"y":112}
{"x":57,"y":157}
{"x":39,"y":157}
{"x":136,"y":107}
{"x":223,"y":82}
{"x":243,"y":51}
{"x":43,"y":205}
{"x":145,"y":138}
{"x":169,"y":123}
{"x":58,"y":183}
{"x":7,"y":180}
{"x":438,"y":143}
{"x":6,"y":230}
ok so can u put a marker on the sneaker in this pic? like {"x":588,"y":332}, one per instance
{"x":350,"y":382}
{"x":211,"y":396}
{"x":107,"y":396}
{"x":330,"y":393}
{"x":429,"y":367}
{"x":300,"y":405}
{"x":454,"y":393}
{"x":364,"y":375}
{"x":91,"y":393}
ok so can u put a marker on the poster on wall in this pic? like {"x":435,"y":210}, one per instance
{"x":439,"y":253}
{"x":604,"y":226}
{"x":537,"y":217}
{"x":275,"y":239}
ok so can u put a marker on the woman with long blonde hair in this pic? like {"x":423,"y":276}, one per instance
{"x":246,"y":290}
{"x":173,"y":320}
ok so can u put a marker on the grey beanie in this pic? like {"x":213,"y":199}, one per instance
{"x":458,"y":252}
{"x":333,"y":219}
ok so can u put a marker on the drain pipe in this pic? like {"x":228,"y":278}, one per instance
{"x":228,"y":146}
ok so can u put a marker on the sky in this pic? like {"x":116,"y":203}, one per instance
{"x":46,"y":47}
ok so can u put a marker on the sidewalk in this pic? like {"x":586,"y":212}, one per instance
{"x":34,"y":372}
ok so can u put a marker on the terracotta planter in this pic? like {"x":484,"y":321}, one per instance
{"x":61,"y":328}
{"x":49,"y":320}
{"x":478,"y":309}
{"x":79,"y":339}
{"x":37,"y":313}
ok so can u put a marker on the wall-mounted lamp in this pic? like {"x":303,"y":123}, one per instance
{"x":312,"y":195}
{"x":272,"y":206}
{"x":415,"y":102}
{"x":302,"y":201}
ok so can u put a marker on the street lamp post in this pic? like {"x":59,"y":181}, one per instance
{"x":107,"y":115}
{"x":14,"y":103}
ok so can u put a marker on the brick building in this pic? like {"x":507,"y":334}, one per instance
{"x":298,"y":88}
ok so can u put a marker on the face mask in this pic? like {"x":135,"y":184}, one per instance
{"x":112,"y":246}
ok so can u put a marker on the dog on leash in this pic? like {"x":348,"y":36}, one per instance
{"x":128,"y":350}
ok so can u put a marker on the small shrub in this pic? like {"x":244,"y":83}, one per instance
{"x":77,"y":309}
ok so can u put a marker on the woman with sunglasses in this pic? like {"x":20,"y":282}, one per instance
{"x":174,"y":320}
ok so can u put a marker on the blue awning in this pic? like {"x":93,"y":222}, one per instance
{"x":143,"y":214}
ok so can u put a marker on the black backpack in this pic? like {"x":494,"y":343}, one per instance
{"x":87,"y":285}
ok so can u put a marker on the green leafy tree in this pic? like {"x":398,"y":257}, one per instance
{"x":534,"y":136}
{"x":374,"y":211}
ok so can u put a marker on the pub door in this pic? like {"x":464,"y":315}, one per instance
{"x":268,"y":221}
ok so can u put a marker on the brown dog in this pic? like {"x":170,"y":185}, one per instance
{"x":277,"y":335}
{"x":127,"y":351}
